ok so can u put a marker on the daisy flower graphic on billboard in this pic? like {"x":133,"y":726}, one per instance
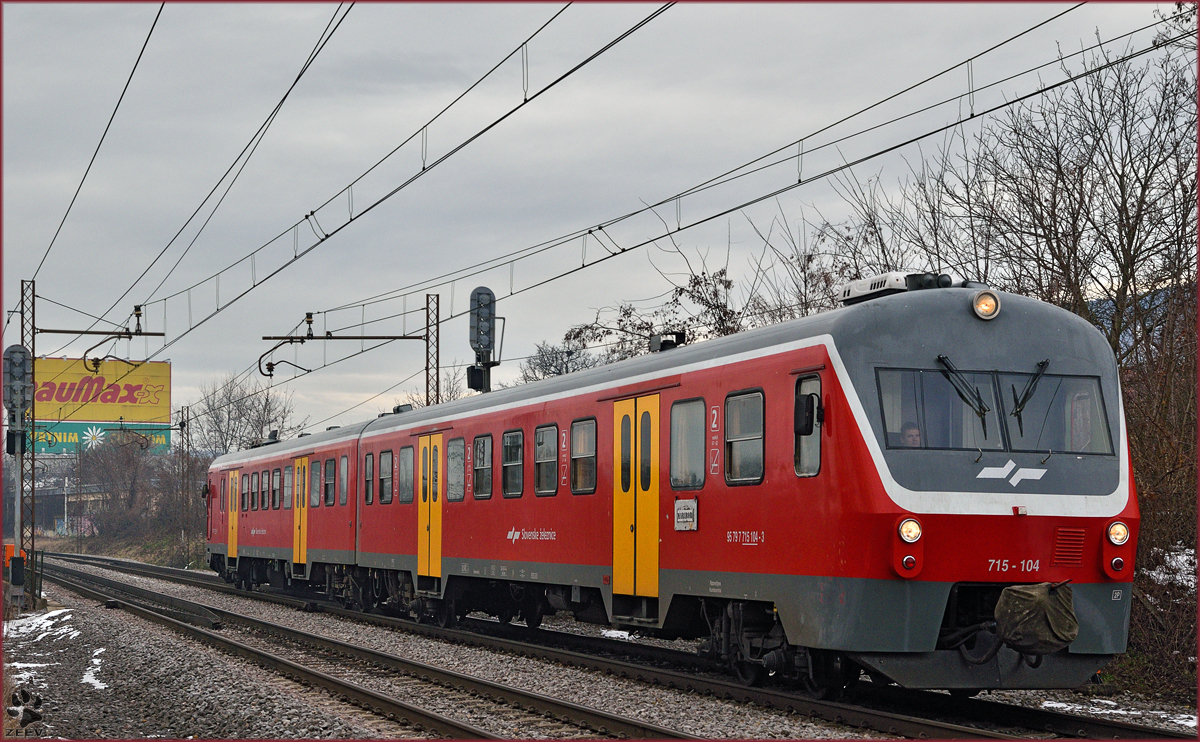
{"x":93,"y":437}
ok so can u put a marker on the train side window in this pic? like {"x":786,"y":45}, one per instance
{"x":246,"y":492}
{"x":385,"y":477}
{"x":287,"y":488}
{"x":314,"y":487}
{"x":276,"y":489}
{"x":456,"y":470}
{"x":626,"y":451}
{"x":688,"y":443}
{"x":224,"y":484}
{"x":512,"y":462}
{"x":583,"y":457}
{"x":808,"y":447}
{"x":343,"y":480}
{"x":330,"y":480}
{"x":254,"y":491}
{"x":483,"y":467}
{"x":545,"y":460}
{"x":744,"y":438}
{"x":404,"y":474}
{"x":369,"y":478}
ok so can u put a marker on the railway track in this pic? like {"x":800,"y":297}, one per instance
{"x":674,"y":669}
{"x":377,"y":680}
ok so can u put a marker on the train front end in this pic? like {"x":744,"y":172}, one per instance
{"x":1005,"y":489}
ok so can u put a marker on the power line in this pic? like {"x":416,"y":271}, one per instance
{"x":827,"y":173}
{"x":321,"y":239}
{"x":101,"y":142}
{"x":250,"y":146}
{"x":716,"y":180}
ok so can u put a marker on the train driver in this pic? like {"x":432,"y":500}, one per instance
{"x":910,"y":435}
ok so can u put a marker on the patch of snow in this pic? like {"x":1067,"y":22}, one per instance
{"x":39,"y":626}
{"x":30,"y":664}
{"x":90,"y":676}
{"x":1178,"y":568}
{"x":615,"y":634}
{"x":1104,"y":701}
{"x":1187,"y":720}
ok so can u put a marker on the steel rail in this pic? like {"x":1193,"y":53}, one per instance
{"x":978,"y":710}
{"x":392,"y":708}
{"x":564,"y":711}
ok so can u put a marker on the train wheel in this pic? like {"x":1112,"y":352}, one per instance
{"x":506,"y":616}
{"x":445,"y":617}
{"x":831,"y":677}
{"x":747,"y":673}
{"x":964,"y":692}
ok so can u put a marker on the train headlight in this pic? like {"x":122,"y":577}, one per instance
{"x":1118,"y":533}
{"x":986,"y":304}
{"x":910,"y":531}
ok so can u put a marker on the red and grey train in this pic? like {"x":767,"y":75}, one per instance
{"x":855,"y":490}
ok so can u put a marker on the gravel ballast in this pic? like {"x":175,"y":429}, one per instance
{"x":697,"y":715}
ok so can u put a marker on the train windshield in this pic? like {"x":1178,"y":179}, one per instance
{"x":923,"y":409}
{"x":973,"y":410}
{"x":1060,"y":413}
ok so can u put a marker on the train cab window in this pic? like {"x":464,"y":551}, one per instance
{"x":369,"y":478}
{"x":688,"y":444}
{"x":456,"y":470}
{"x":482,"y":462}
{"x":314,"y":485}
{"x":254,"y":491}
{"x":287,"y":488}
{"x":925,"y":409}
{"x":513,"y":462}
{"x":246,"y":492}
{"x":385,"y":477}
{"x":343,"y":480}
{"x":224,"y":484}
{"x":583,"y":457}
{"x":276,"y":489}
{"x":744,"y":438}
{"x":1060,"y":413}
{"x":807,"y":454}
{"x":330,"y":481}
{"x":545,"y":460}
{"x":404,"y":474}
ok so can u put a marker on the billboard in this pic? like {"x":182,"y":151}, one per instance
{"x":63,"y":438}
{"x":126,"y":402}
{"x":67,"y":390}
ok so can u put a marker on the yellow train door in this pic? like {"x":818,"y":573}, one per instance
{"x":300,"y":512}
{"x":635,"y":496}
{"x":234,"y":513}
{"x":429,"y":510}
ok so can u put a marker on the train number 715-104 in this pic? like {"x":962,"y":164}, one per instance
{"x":1009,"y":565}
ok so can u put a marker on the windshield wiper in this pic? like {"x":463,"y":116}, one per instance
{"x":969,"y":394}
{"x":1020,"y":402}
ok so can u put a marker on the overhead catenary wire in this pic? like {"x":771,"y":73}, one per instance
{"x":203,"y":320}
{"x":525,"y":253}
{"x":571,"y":236}
{"x":825,"y":174}
{"x":107,"y":126}
{"x":242,"y":157}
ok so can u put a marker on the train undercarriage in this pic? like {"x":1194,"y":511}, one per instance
{"x":746,"y":637}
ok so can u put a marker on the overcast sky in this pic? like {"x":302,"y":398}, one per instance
{"x":697,"y":91}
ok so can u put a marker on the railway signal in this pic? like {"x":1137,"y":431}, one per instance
{"x":483,"y":339}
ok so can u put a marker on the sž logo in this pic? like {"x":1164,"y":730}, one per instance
{"x":1002,"y":472}
{"x":514,"y":535}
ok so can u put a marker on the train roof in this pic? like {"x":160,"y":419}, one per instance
{"x":868,"y":324}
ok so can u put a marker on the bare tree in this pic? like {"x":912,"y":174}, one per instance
{"x":454,"y":386}
{"x":550,"y":360}
{"x":237,"y":412}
